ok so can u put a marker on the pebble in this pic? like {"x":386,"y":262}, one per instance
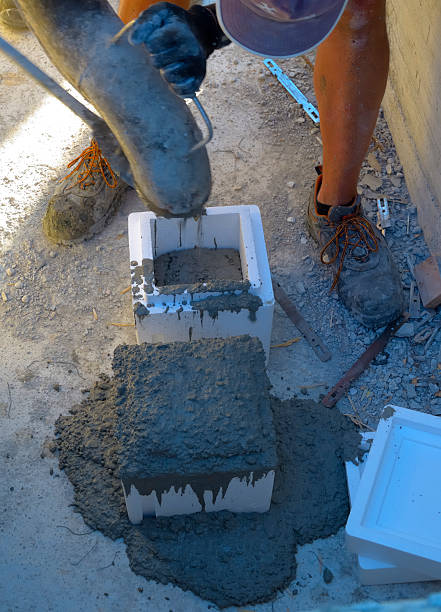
{"x":291,"y":219}
{"x":406,"y":331}
{"x":52,"y":254}
{"x":314,"y":130}
{"x":300,"y":120}
{"x":290,"y":184}
{"x":328,"y":576}
{"x":303,"y":240}
{"x":300,"y":286}
{"x":25,"y":299}
{"x":388,"y":169}
{"x":4,"y":296}
{"x":372,"y":181}
{"x":18,"y":284}
{"x":396,"y":181}
{"x":9,"y":271}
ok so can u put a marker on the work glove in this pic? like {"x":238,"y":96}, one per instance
{"x":179,"y":42}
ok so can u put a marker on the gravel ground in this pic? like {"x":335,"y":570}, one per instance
{"x":58,"y":308}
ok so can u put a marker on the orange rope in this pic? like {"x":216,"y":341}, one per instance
{"x":353,"y":231}
{"x":90,"y":162}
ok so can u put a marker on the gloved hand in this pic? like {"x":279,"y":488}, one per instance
{"x":179,"y":42}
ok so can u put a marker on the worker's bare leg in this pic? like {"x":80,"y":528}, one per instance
{"x":130,"y":9}
{"x":350,"y":78}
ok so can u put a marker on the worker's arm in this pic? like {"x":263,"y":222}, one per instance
{"x":180,"y":42}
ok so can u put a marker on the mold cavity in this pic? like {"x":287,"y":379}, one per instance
{"x":197,"y":265}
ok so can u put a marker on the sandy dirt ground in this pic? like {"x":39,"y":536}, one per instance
{"x":58,"y":306}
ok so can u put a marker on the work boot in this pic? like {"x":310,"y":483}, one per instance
{"x":366,"y":277}
{"x":10,"y":15}
{"x":85,"y":200}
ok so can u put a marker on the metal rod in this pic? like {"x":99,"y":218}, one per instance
{"x":362,"y":363}
{"x":50,"y":85}
{"x":208,"y":123}
{"x":314,"y":341}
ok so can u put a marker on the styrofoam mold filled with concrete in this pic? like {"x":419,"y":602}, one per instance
{"x":372,"y":571}
{"x":396,"y":515}
{"x":206,"y":310}
{"x":194,"y":427}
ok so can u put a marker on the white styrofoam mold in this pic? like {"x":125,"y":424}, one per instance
{"x":370,"y":570}
{"x":243,"y":494}
{"x":396,"y":515}
{"x":171,"y":317}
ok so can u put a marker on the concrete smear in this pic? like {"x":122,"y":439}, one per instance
{"x":226,"y":558}
{"x":197,"y":265}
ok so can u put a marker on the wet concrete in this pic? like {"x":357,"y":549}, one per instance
{"x":226,"y":558}
{"x":193,"y":408}
{"x":197,"y":265}
{"x":233,"y":303}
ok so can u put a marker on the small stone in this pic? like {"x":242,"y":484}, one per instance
{"x":290,"y":184}
{"x":328,"y":576}
{"x":25,"y":299}
{"x":10,"y":271}
{"x":300,"y":286}
{"x":52,"y":254}
{"x":396,"y":181}
{"x":4,"y":296}
{"x":314,"y":130}
{"x":405,"y":331}
{"x":291,"y":219}
{"x":300,"y":120}
{"x":372,"y":181}
{"x":388,"y":169}
{"x":56,"y":387}
{"x":18,"y":284}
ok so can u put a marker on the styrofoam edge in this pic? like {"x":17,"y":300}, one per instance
{"x":356,"y":534}
{"x":384,"y":553}
{"x":135,"y":247}
{"x":240,"y":496}
{"x":191,"y":326}
{"x":372,"y":571}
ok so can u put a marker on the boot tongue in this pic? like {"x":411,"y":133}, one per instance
{"x":336,"y":214}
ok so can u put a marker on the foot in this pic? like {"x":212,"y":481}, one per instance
{"x":85,"y":200}
{"x":10,"y":15}
{"x":366,"y":277}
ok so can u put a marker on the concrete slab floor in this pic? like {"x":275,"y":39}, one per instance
{"x":53,"y":345}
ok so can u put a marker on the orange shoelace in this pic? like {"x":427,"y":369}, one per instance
{"x":353,"y":232}
{"x":90,"y":162}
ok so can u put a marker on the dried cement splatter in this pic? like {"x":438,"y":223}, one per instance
{"x":226,"y":558}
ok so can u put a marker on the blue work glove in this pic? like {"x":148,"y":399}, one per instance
{"x":179,"y":42}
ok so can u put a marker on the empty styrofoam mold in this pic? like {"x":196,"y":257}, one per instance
{"x":370,"y":570}
{"x":396,"y":514}
{"x":183,"y":313}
